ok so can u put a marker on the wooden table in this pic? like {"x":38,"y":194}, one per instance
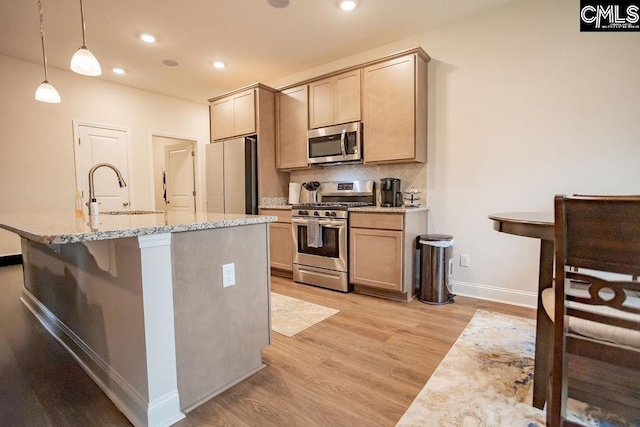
{"x":538,"y":225}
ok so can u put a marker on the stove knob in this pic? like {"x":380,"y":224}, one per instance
{"x":316,"y":213}
{"x":333,"y":214}
{"x":329,"y":213}
{"x":303,"y":213}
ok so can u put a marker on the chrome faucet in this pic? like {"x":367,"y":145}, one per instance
{"x":92,"y":196}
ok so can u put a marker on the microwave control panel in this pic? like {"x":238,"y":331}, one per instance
{"x":351,"y":143}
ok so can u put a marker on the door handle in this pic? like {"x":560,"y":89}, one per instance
{"x":125,"y":204}
{"x":342,"y":143}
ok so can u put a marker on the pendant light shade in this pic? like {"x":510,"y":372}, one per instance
{"x":45,"y":92}
{"x":83,"y":61}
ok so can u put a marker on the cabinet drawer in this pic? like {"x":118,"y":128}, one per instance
{"x":382,"y":221}
{"x":284,"y":215}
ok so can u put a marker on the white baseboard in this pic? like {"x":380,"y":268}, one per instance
{"x":161,"y":412}
{"x":491,"y":293}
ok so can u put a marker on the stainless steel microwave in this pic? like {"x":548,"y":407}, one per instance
{"x":335,"y":144}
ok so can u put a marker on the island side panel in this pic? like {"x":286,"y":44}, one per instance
{"x":219,"y":331}
{"x":94,"y":289}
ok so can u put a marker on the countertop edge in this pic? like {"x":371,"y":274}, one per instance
{"x":374,"y":209}
{"x":380,"y":209}
{"x":55,"y":239}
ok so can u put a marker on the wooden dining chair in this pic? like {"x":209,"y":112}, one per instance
{"x":596,"y":314}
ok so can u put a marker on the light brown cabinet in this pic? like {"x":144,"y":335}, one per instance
{"x":335,"y":100}
{"x":291,"y":128}
{"x":395,"y":110}
{"x":382,"y":253}
{"x":376,"y":250}
{"x":280,"y":239}
{"x":233,"y":115}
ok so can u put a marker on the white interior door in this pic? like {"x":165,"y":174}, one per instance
{"x":180,"y":177}
{"x":103,"y":145}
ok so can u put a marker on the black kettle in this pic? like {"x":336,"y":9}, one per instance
{"x":390,"y":192}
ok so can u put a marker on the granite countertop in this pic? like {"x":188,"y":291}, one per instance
{"x":380,"y":209}
{"x":281,"y":207}
{"x":64,"y":227}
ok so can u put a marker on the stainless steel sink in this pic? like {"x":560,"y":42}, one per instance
{"x":132,"y":212}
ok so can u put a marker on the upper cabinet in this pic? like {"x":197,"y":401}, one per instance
{"x":291,"y":128}
{"x":335,"y":100}
{"x":233,"y":115}
{"x":395,"y":110}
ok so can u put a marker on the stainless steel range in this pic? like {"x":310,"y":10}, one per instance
{"x":320,"y":234}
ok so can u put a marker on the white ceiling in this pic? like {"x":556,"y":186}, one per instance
{"x":256,"y":40}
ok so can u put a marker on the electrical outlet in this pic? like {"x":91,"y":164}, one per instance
{"x":228,"y":275}
{"x":464,"y":260}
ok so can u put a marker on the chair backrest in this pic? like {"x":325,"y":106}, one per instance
{"x":599,"y":234}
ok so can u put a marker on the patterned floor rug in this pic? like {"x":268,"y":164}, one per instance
{"x":290,"y":315}
{"x":486,"y":379}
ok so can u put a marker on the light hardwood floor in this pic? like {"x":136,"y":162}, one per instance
{"x":361,"y":367}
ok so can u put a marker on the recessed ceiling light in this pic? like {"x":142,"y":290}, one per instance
{"x":348,"y":4}
{"x":170,"y":63}
{"x":146,"y":37}
{"x":219,"y":64}
{"x":118,"y":70}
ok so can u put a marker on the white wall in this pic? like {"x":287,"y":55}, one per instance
{"x":522,"y":106}
{"x":37,"y":171}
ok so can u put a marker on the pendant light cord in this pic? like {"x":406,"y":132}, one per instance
{"x":44,"y":53}
{"x":84,"y":40}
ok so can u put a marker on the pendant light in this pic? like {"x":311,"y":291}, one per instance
{"x":45,"y":92}
{"x":83,"y":61}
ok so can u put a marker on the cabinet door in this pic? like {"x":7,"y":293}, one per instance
{"x":244,"y":113}
{"x":335,"y":100}
{"x":221,"y":118}
{"x":234,"y":115}
{"x":389,"y":110}
{"x":291,"y":128}
{"x":376,"y":258}
{"x":347,"y":97}
{"x":321,"y":103}
{"x":281,"y":246}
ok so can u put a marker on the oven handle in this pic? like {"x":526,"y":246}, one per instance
{"x":342,"y":143}
{"x":323,"y":223}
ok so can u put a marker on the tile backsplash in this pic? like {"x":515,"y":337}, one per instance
{"x":412,"y":174}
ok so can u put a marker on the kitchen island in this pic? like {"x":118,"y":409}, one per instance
{"x":139,"y":302}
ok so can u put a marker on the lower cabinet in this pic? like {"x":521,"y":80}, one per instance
{"x":383,"y":254}
{"x":376,"y":258}
{"x":280,"y":239}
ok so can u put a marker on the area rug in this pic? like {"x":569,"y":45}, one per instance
{"x":486,"y":379}
{"x":290,"y":315}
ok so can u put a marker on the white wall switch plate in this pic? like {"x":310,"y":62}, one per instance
{"x":464,"y":260}
{"x":228,"y":275}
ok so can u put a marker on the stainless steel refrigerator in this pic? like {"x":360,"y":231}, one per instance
{"x":232,"y":176}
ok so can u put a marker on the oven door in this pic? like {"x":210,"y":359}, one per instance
{"x":333,"y":253}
